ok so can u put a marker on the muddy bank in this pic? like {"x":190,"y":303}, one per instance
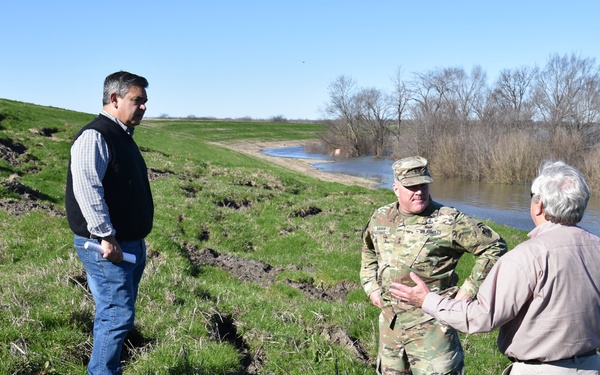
{"x":254,"y":148}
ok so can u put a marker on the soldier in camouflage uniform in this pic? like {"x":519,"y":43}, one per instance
{"x":419,"y":235}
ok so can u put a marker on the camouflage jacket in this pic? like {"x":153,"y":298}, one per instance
{"x":429,"y":244}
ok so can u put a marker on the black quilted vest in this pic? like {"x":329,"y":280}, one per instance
{"x":126,"y":186}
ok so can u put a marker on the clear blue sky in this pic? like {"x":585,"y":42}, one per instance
{"x":259,"y":58}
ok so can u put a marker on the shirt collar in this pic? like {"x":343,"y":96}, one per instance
{"x":123,"y":126}
{"x":421,"y":217}
{"x":548,"y":225}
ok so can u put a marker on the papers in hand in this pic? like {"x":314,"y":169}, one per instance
{"x":127,"y":257}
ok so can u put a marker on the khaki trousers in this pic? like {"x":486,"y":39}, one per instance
{"x":589,"y":365}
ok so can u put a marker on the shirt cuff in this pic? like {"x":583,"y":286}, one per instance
{"x":102,"y":231}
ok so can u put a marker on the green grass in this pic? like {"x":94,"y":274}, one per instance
{"x":191,"y":318}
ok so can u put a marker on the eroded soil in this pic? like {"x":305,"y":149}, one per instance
{"x":264,"y":274}
{"x":29,"y":199}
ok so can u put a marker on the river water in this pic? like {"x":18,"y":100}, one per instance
{"x":501,"y":203}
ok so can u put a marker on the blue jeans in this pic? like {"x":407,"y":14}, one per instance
{"x":114,"y":288}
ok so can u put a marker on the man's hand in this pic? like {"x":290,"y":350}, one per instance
{"x":375,"y":297}
{"x":411,"y":295}
{"x":112,"y":250}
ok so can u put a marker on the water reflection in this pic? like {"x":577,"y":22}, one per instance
{"x":503,"y":204}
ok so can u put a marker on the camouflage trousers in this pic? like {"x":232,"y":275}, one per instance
{"x":429,"y":348}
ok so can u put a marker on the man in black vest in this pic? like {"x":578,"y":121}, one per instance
{"x":109,"y":203}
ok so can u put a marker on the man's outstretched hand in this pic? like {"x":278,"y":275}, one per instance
{"x":412,"y":295}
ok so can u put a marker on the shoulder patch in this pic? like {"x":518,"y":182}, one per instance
{"x":485,"y":230}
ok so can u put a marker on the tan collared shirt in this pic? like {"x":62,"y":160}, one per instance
{"x":544,"y":295}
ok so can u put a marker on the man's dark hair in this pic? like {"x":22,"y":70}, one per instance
{"x":120,"y":83}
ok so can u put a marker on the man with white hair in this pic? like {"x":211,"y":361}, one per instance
{"x":544,"y":294}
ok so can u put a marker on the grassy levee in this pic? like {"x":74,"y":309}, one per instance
{"x":252,"y":269}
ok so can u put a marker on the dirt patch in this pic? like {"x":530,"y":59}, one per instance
{"x":342,"y":337}
{"x":79,"y":279}
{"x":244,"y":269}
{"x":10,"y":151}
{"x":223,"y":329}
{"x":28,"y":202}
{"x":306,"y":212}
{"x":264,"y":274}
{"x":338,"y":292}
{"x":190,"y":191}
{"x":223,"y":326}
{"x":24,"y":191}
{"x":16,"y":208}
{"x":155,"y":174}
{"x":46,"y":132}
{"x":255,"y":148}
{"x":234,"y":204}
{"x":261,"y":180}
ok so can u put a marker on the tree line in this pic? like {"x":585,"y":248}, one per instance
{"x":467,"y":128}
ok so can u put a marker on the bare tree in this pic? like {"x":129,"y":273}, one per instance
{"x":374,"y":114}
{"x":513,"y":93}
{"x":431,"y":91}
{"x":561,"y":90}
{"x":433,"y":108}
{"x":588,"y":107}
{"x":401,"y":95}
{"x":341,"y":110}
{"x":467,"y":91}
{"x":485,"y":108}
